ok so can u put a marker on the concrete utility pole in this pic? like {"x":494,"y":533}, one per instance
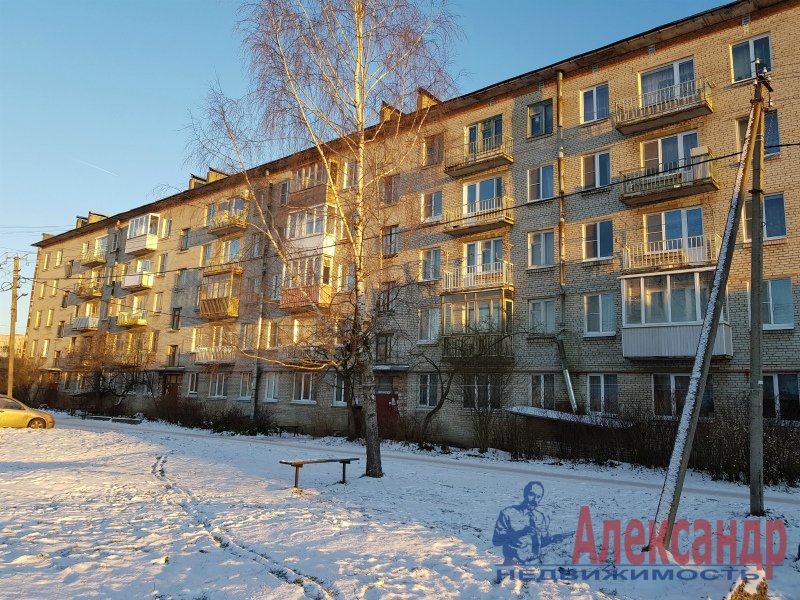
{"x":756,"y":320}
{"x":12,"y":332}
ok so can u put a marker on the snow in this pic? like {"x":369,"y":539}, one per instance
{"x":95,"y":509}
{"x":557,"y":415}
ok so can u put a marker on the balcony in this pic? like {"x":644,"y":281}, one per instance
{"x":89,"y":289}
{"x":663,"y":107}
{"x":136,"y":282}
{"x":223,"y":264}
{"x":477,"y":277}
{"x":133,"y":318}
{"x":228,"y":221}
{"x":141,"y":244}
{"x":676,"y":179}
{"x":299,"y":353}
{"x":671,"y":341}
{"x":217,"y":355}
{"x":484,"y":215}
{"x":85,"y":323}
{"x":474,"y":157}
{"x":219,"y":308}
{"x":476,"y":345}
{"x":93,"y":257}
{"x":679,"y":252}
{"x":302,"y":298}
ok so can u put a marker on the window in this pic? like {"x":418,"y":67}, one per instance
{"x":389,"y":191}
{"x":481,"y":257}
{"x":41,"y":290}
{"x":781,"y":396}
{"x":205,"y":255}
{"x":350,"y":179}
{"x":540,"y":118}
{"x":431,"y":264}
{"x":594,"y":103}
{"x":428,"y":390}
{"x":339,"y":398}
{"x":596,"y":170}
{"x":45,"y":261}
{"x":773,"y":215}
{"x":59,"y":257}
{"x":246,"y":337}
{"x":192,"y":389}
{"x":483,"y":390}
{"x":429,"y":319}
{"x":303,"y":387}
{"x":275,"y":288}
{"x":176,"y":318}
{"x":309,"y":176}
{"x":45,"y":347}
{"x":540,"y":244}
{"x":542,"y":316}
{"x":391,"y":240}
{"x":152,"y":346}
{"x":432,"y":206}
{"x":303,"y":272}
{"x":54,"y":288}
{"x":599,"y":314}
{"x":271,"y":386}
{"x":38,"y":321}
{"x":255,"y":244}
{"x":60,"y":329}
{"x":173,"y":354}
{"x":384,"y":347}
{"x":305,"y":223}
{"x":772,"y":138}
{"x":386,"y":300}
{"x":669,"y":395}
{"x":185,"y":239}
{"x":144,"y":225}
{"x":663,"y":85}
{"x":283,"y":193}
{"x":483,"y":196}
{"x":602,"y":393}
{"x":668,"y":154}
{"x":49,"y":322}
{"x":674,"y":298}
{"x":543,"y":391}
{"x":272,"y":334}
{"x":744,"y":55}
{"x":166,"y":228}
{"x":674,"y":230}
{"x":32,"y":353}
{"x":598,"y":240}
{"x":485,"y":136}
{"x":540,"y":183}
{"x":180,"y":279}
{"x":433,"y":150}
{"x":162,"y":264}
{"x":158,"y":301}
{"x":231,"y":250}
{"x":777,"y":309}
{"x":217,"y":387}
{"x":246,"y":385}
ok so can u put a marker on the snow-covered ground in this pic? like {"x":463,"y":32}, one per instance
{"x":104,"y":510}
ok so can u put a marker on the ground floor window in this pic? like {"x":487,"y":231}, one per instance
{"x":303,"y":387}
{"x":216,"y":388}
{"x":543,"y":394}
{"x":246,"y":385}
{"x":428,"y":390}
{"x":271,"y":387}
{"x":603,"y":398}
{"x":669,"y":395}
{"x":192,"y":390}
{"x":483,"y":390}
{"x":782,"y":396}
{"x":339,"y":398}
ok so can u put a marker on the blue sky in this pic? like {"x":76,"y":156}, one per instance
{"x":96,"y":94}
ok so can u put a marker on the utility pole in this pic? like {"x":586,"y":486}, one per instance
{"x":12,"y":332}
{"x":756,"y":320}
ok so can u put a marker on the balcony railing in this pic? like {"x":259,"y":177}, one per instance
{"x":228,"y":221}
{"x":485,"y":153}
{"x":306,"y":296}
{"x":219,"y":308}
{"x":691,"y":250}
{"x":215,"y":355}
{"x":224,"y":264}
{"x":672,"y":341}
{"x":93,"y":257}
{"x":141,"y":244}
{"x":85,"y":323}
{"x":134,"y":282}
{"x":89,"y":289}
{"x":300,"y":353}
{"x":675,"y":179}
{"x":476,"y":345}
{"x":132,"y":318}
{"x":662,"y":107}
{"x":492,"y":275}
{"x":482,"y":215}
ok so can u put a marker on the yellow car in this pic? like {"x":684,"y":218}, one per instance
{"x":14,"y":413}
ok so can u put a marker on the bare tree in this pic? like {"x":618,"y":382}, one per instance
{"x":352,"y":81}
{"x":27,"y":371}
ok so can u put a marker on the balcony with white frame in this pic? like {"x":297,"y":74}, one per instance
{"x":215,"y":355}
{"x":493,"y":275}
{"x":135,"y":282}
{"x":662,"y":107}
{"x":483,"y":154}
{"x":485,"y":214}
{"x":689,"y":251}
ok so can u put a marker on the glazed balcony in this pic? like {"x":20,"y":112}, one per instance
{"x":216,"y":355}
{"x":484,"y":215}
{"x":135,"y":282}
{"x":306,"y":297}
{"x":228,"y":221}
{"x":679,"y":252}
{"x":477,"y":277}
{"x":214,"y":309}
{"x":474,"y":157}
{"x":672,"y":341}
{"x":476,"y":345}
{"x":93,"y":257}
{"x":141,"y":244}
{"x":677,"y":179}
{"x":89,"y":289}
{"x":85,"y":323}
{"x":663,"y":107}
{"x":132,"y":318}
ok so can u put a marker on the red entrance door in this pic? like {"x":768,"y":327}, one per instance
{"x":171,"y":387}
{"x":388,"y":416}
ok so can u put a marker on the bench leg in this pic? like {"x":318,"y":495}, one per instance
{"x":344,"y":472}
{"x":296,"y":474}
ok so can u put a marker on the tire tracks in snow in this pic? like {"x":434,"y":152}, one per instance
{"x":312,"y":588}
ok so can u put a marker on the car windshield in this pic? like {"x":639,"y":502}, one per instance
{"x":10,"y":404}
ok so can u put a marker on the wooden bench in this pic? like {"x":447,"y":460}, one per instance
{"x":298,"y":464}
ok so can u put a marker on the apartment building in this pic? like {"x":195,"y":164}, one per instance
{"x":550,"y":246}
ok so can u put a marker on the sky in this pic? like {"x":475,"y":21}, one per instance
{"x":96,"y":95}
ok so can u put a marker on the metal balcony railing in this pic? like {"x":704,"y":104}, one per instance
{"x":481,"y":213}
{"x":490,"y":275}
{"x":305,"y":296}
{"x":215,"y":355}
{"x":476,"y":345}
{"x":132,"y":318}
{"x":94,"y":256}
{"x":226,"y":221}
{"x":670,"y":180}
{"x":89,"y":289}
{"x":85,"y":323}
{"x":219,"y":308}
{"x":223,"y":264}
{"x":677,"y":102}
{"x":483,"y":153}
{"x":137,"y":281}
{"x":690,"y":250}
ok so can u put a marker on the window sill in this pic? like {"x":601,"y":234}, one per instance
{"x":776,"y":241}
{"x":540,"y":268}
{"x":538,"y":200}
{"x":338,"y":404}
{"x":596,"y":121}
{"x":779,"y":328}
{"x":428,"y":280}
{"x":217,"y":397}
{"x":538,"y":136}
{"x":191,"y":393}
{"x":427,"y":342}
{"x":431,"y":220}
{"x":605,"y":335}
{"x":423,"y":409}
{"x":590,"y":262}
{"x":595,"y":190}
{"x":533,"y":337}
{"x":270,"y":401}
{"x":304,"y":402}
{"x":244,"y":399}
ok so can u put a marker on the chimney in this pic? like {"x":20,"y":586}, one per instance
{"x":94,"y":217}
{"x":425,"y":99}
{"x":196,"y":181}
{"x":388,"y":112}
{"x":215,"y":174}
